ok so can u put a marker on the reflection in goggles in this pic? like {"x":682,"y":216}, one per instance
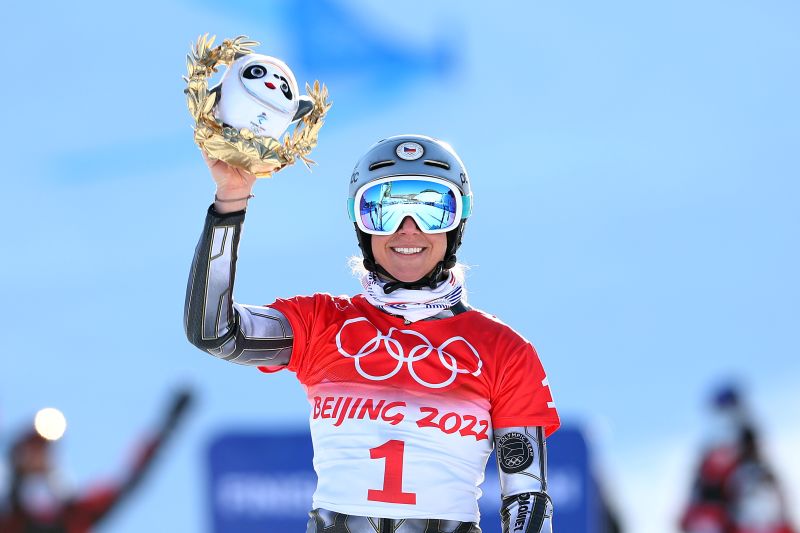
{"x":383,"y":206}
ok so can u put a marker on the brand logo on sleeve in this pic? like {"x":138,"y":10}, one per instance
{"x":378,"y":356}
{"x":514,"y":452}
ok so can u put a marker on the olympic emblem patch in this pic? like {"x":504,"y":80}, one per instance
{"x":514,"y":452}
{"x":378,"y":356}
{"x":409,"y":151}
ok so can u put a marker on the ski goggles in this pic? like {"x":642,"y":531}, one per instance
{"x":436,"y":205}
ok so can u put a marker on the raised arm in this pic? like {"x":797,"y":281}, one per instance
{"x":522,"y":463}
{"x":244,"y":334}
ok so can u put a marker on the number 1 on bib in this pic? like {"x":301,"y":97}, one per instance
{"x":392,"y":491}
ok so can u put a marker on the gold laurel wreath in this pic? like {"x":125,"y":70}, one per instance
{"x":261,"y":156}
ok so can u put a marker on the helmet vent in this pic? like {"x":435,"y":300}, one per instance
{"x":381,"y":164}
{"x":440,"y":164}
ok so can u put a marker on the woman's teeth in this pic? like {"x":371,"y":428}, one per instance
{"x":407,"y":251}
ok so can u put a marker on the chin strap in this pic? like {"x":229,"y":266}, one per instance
{"x":429,"y":281}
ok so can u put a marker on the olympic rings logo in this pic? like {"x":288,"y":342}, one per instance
{"x":396,"y":350}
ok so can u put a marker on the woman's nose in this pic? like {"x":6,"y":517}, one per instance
{"x":408,"y":225}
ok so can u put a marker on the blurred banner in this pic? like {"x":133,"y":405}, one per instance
{"x":264,"y":481}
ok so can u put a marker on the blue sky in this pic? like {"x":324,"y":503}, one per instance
{"x":635,"y":176}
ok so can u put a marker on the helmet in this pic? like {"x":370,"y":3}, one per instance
{"x":727,"y":396}
{"x":412,"y":155}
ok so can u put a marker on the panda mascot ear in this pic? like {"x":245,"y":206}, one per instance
{"x":304,"y":106}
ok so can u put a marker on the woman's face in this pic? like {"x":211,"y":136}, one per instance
{"x":408,"y":254}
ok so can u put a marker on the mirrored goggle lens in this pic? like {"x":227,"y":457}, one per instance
{"x":383,"y":206}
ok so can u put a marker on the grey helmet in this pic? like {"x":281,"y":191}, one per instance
{"x":411,"y":155}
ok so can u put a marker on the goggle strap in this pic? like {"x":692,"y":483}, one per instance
{"x":466,"y":206}
{"x":351,"y":209}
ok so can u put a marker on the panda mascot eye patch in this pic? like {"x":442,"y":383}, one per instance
{"x":254,"y":72}
{"x":285,"y":89}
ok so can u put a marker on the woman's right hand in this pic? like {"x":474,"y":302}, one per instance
{"x":232,"y":184}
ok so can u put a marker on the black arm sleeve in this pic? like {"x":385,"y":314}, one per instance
{"x":522,"y":464}
{"x":244,"y":334}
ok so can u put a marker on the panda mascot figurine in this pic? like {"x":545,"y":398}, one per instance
{"x":260,"y":93}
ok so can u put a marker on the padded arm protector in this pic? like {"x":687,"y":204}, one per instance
{"x":244,"y":334}
{"x":522,"y":464}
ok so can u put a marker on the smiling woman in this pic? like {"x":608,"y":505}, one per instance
{"x":402,"y":378}
{"x":409,"y":254}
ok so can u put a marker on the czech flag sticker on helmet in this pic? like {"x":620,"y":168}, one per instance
{"x":409,"y":151}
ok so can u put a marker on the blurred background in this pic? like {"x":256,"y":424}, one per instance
{"x":635,"y":170}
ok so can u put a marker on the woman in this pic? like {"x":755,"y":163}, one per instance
{"x":409,"y":387}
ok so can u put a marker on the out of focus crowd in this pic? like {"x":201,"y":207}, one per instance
{"x":735,"y":490}
{"x":36,"y":501}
